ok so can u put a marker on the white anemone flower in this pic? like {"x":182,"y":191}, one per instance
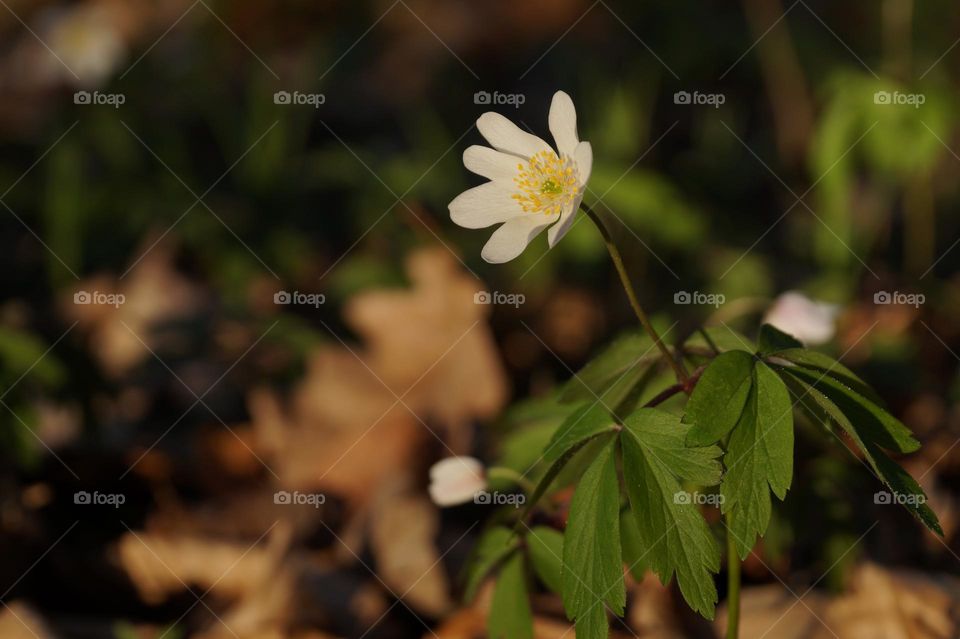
{"x":532,"y":186}
{"x":456,"y":480}
{"x":809,"y":321}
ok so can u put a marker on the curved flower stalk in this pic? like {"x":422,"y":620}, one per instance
{"x":532,"y":186}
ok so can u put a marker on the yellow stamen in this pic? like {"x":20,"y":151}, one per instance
{"x":546,"y":184}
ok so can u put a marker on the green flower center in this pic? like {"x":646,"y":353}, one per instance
{"x":551,"y":187}
{"x":546,"y":183}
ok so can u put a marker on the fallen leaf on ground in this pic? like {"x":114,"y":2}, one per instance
{"x":154,"y":293}
{"x":20,"y":621}
{"x":430,"y":343}
{"x":879,"y":603}
{"x":160,"y":564}
{"x":652,"y":612}
{"x":403,"y":527}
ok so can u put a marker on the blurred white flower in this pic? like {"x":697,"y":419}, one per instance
{"x":531,"y":185}
{"x":456,"y":480}
{"x":88,"y":41}
{"x":809,"y":321}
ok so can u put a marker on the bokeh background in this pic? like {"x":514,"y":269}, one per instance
{"x":154,"y":224}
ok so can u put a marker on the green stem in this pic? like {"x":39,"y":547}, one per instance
{"x":678,"y":369}
{"x":733,"y":587}
{"x":709,"y":340}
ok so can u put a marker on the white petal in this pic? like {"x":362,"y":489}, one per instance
{"x":508,"y":241}
{"x":563,"y":123}
{"x":809,"y":321}
{"x":567,"y":217}
{"x":456,"y":480}
{"x":583,"y":157}
{"x":504,"y":135}
{"x":484,"y":206}
{"x":490,"y":163}
{"x":452,"y":467}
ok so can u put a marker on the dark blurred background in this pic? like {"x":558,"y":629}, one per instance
{"x":229,"y":280}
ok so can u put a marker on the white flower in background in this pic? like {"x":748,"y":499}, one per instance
{"x":531,"y":185}
{"x":809,"y":321}
{"x":87,"y":39}
{"x":456,"y":480}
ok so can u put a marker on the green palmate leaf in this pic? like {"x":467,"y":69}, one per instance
{"x":510,"y":616}
{"x":592,"y":572}
{"x":574,"y":469}
{"x":546,"y":549}
{"x":910,"y":495}
{"x":826,"y":364}
{"x":494,"y":545}
{"x":584,"y":423}
{"x":881,"y":427}
{"x":718,"y":399}
{"x":722,"y":338}
{"x":773,"y":340}
{"x":593,"y":624}
{"x":626,"y":357}
{"x":672,"y":532}
{"x":905,"y":488}
{"x":586,"y":452}
{"x":632,"y":550}
{"x":759,"y":458}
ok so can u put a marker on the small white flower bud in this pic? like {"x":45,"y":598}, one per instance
{"x":809,"y":321}
{"x":455,"y":480}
